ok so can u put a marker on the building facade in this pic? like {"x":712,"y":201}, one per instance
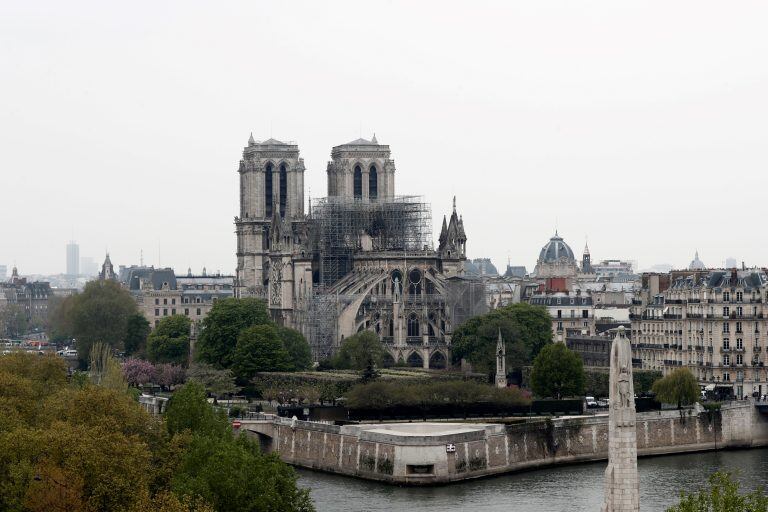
{"x":361,"y":258}
{"x":712,"y":322}
{"x":160,"y":293}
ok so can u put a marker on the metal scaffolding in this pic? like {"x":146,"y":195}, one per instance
{"x":343,"y":226}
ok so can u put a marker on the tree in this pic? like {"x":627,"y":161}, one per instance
{"x":188,"y":409}
{"x":722,"y":496}
{"x":297,"y":347}
{"x":169,"y":375}
{"x":526,"y":329}
{"x":234,"y":475}
{"x":216,"y":382}
{"x":13,"y":320}
{"x":136,"y":335}
{"x":259,"y":349}
{"x":139,"y":371}
{"x":679,"y":387}
{"x":557,"y":372}
{"x":169,"y":342}
{"x":105,"y":370}
{"x":359,"y":352}
{"x":222,"y":326}
{"x":100,"y":313}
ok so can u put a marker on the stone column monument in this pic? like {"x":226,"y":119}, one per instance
{"x":622,"y":488}
{"x":501,"y":363}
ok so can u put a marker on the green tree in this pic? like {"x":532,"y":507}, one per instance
{"x":359,"y":351}
{"x":222,"y":326}
{"x":259,"y":349}
{"x":100,"y":313}
{"x":722,"y":495}
{"x":216,"y":382}
{"x":526,"y":329}
{"x":679,"y":387}
{"x":136,"y":334}
{"x":297,"y":347}
{"x":234,"y":475}
{"x":169,"y":341}
{"x":557,"y":372}
{"x":188,"y":409}
{"x":13,"y":321}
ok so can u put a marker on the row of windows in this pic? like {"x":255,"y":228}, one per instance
{"x":185,"y":300}
{"x":173,"y":311}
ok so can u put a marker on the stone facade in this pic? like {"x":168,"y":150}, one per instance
{"x":711,"y":321}
{"x":362,"y":258}
{"x":448,"y":452}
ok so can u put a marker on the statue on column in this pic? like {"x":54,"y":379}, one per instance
{"x":501,"y":363}
{"x":622,"y":487}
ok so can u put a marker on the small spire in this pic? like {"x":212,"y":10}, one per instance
{"x":454,"y":204}
{"x":251,"y":141}
{"x":374,"y":138}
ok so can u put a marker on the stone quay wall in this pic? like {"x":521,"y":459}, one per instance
{"x":370,"y":452}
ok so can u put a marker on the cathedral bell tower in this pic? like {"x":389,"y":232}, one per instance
{"x":271,"y":184}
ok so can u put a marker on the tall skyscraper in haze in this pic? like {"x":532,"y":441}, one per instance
{"x":3,"y":272}
{"x":73,"y":259}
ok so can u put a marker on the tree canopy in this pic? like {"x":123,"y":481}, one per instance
{"x":86,"y":446}
{"x":216,"y":382}
{"x":722,"y":495}
{"x":679,"y":387}
{"x":169,"y":341}
{"x":526,"y":329}
{"x":259,"y":349}
{"x":222,"y":326}
{"x":557,"y":372}
{"x":359,"y":351}
{"x":136,"y":334}
{"x":99,"y":313}
{"x":297,"y":347}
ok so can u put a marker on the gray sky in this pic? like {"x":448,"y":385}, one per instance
{"x":641,"y":126}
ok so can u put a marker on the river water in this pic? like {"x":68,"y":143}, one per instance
{"x":559,"y":489}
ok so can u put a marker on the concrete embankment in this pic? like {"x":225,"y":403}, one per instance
{"x":431,"y":453}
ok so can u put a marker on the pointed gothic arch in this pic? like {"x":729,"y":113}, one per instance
{"x":373,"y":183}
{"x":415,"y":360}
{"x":283,"y":188}
{"x":268,"y":189}
{"x":438,"y":360}
{"x":357,"y":182}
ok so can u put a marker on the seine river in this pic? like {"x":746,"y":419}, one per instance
{"x":560,"y":489}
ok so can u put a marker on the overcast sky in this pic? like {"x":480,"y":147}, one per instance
{"x":640,"y":126}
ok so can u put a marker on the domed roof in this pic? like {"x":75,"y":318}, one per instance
{"x":555,"y":250}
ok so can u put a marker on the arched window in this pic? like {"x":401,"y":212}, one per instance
{"x":373,"y":183}
{"x":413,"y":325}
{"x":268,"y":190}
{"x":414,"y":282}
{"x":358,"y":183}
{"x":283,"y":189}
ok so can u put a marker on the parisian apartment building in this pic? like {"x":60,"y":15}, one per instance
{"x":712,"y":322}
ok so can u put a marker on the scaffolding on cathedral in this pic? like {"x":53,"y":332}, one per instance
{"x":344,"y":226}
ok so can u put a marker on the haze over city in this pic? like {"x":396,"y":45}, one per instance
{"x":123,"y":128}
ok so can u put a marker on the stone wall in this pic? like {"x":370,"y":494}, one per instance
{"x":369,"y":452}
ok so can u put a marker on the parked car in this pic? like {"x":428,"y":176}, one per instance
{"x":590,"y":401}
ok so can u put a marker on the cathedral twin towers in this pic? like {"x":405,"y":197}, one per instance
{"x":361,"y":258}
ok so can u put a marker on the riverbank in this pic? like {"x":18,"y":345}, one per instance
{"x":576,"y":487}
{"x":439,"y":453}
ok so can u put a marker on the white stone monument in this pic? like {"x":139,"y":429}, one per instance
{"x":622,"y":488}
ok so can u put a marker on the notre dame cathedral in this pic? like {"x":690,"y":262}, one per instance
{"x":360,"y":258}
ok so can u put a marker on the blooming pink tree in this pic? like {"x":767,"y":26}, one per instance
{"x":139,"y":371}
{"x":170,"y":375}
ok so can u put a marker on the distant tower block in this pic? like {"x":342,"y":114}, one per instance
{"x":622,"y":488}
{"x":501,"y":363}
